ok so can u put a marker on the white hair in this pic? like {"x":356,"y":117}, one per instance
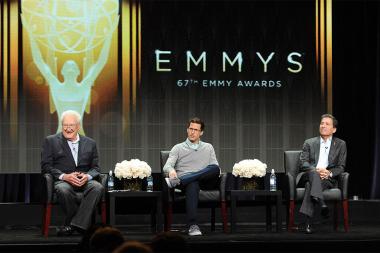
{"x":73,"y":113}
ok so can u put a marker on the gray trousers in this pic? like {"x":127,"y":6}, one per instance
{"x":314,"y":187}
{"x":78,"y":204}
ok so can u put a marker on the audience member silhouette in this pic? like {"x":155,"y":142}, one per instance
{"x":169,"y":242}
{"x":84,"y":244}
{"x":133,"y":247}
{"x":106,"y":239}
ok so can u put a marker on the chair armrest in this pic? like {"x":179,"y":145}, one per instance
{"x":49,"y":184}
{"x":103,"y":181}
{"x":343,"y":184}
{"x":292,"y":186}
{"x":222,"y":186}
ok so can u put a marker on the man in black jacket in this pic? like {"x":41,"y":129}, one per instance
{"x":323,"y":158}
{"x":72,"y":160}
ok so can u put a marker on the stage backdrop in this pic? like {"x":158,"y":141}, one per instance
{"x":256,"y":72}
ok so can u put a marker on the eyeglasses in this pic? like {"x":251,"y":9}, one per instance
{"x":69,"y":125}
{"x":194,"y":130}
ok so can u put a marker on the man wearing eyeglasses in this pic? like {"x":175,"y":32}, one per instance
{"x":72,"y":160}
{"x":192,"y":166}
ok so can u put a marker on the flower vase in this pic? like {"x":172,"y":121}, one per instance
{"x":133,"y":184}
{"x":249,"y":184}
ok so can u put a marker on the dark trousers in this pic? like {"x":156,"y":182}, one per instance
{"x":314,"y":186}
{"x":205,"y":179}
{"x":79,"y":204}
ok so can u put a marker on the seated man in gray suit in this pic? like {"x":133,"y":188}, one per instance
{"x":72,"y":160}
{"x":323,"y":158}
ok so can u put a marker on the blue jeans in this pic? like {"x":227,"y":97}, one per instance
{"x":206,"y":178}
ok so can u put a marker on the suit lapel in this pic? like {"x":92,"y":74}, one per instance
{"x":333,"y":147}
{"x":81,"y":147}
{"x":317,"y":145}
{"x":67,"y":149}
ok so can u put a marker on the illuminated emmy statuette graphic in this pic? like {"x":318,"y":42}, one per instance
{"x":69,"y":33}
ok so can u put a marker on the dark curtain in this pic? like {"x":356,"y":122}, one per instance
{"x":355,"y":66}
{"x":375,"y":191}
{"x":21,"y":188}
{"x":12,"y":188}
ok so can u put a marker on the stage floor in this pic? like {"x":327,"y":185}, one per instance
{"x":249,"y":238}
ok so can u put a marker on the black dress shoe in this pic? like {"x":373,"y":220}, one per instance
{"x":315,"y":200}
{"x":324,"y":210}
{"x":308,"y":229}
{"x":65,"y":231}
{"x":78,"y":229}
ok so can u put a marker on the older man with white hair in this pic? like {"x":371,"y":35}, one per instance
{"x":72,"y":160}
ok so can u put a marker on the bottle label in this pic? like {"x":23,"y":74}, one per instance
{"x":272,"y":183}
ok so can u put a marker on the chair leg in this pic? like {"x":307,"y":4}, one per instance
{"x":345,"y":214}
{"x":46,"y":222}
{"x":169,"y":217}
{"x":291,"y":216}
{"x":104,"y":212}
{"x":224,"y":215}
{"x":336,"y":215}
{"x":212,"y":219}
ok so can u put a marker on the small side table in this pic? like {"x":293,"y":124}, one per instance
{"x":237,"y":195}
{"x":156,"y":217}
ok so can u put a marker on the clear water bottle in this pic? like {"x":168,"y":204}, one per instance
{"x":110,"y":181}
{"x":149,"y":185}
{"x":273,"y":181}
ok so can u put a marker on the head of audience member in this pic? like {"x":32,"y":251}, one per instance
{"x":328,"y":126}
{"x":84,"y":244}
{"x":133,"y":247}
{"x":106,"y":240}
{"x":195,"y":128}
{"x":169,"y":242}
{"x":70,"y":124}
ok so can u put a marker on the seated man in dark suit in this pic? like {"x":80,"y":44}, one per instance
{"x":72,"y":160}
{"x":323,"y":158}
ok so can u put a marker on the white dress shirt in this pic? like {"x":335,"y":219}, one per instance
{"x":324,"y":150}
{"x":74,"y":146}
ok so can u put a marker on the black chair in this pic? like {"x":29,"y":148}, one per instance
{"x":51,"y":199}
{"x":338,"y":194}
{"x":207,"y":198}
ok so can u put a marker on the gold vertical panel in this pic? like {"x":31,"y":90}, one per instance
{"x":131,"y":55}
{"x":126,"y":56}
{"x":139,"y":42}
{"x":317,"y":33}
{"x":323,"y":33}
{"x":5,"y":54}
{"x":329,"y":54}
{"x":14,"y":47}
{"x":322,"y":47}
{"x":134,"y":54}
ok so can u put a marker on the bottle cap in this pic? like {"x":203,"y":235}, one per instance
{"x":110,"y":173}
{"x":272,"y":171}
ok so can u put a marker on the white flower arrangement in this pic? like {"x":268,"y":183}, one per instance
{"x":132,"y":169}
{"x":249,"y":168}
